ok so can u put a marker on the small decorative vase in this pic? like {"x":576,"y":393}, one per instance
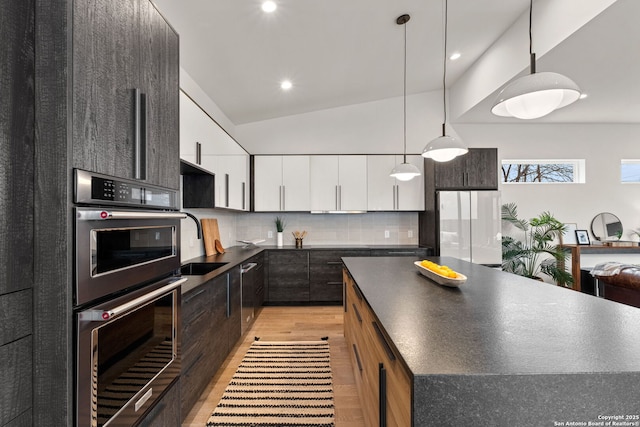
{"x":280,"y":239}
{"x":298,"y":242}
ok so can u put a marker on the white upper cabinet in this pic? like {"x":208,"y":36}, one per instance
{"x":281,"y":183}
{"x":388,"y":194}
{"x":338,"y":183}
{"x":204,"y":143}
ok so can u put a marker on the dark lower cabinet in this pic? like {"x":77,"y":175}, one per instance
{"x":234,"y":304}
{"x":166,"y":411}
{"x":288,"y":276}
{"x":210,"y":328}
{"x":410,"y":252}
{"x":325,"y":271}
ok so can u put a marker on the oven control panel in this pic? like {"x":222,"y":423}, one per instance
{"x":97,"y":189}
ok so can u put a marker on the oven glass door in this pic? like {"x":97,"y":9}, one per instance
{"x":113,"y":249}
{"x":116,"y":251}
{"x":127,"y":357}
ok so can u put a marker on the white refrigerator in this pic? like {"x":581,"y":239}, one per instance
{"x":470,"y":226}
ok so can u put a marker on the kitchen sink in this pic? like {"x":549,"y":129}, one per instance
{"x":200,"y":268}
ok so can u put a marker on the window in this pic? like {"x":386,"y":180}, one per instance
{"x":629,"y":170}
{"x":543,"y":171}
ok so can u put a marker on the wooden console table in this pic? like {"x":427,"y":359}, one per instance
{"x":576,"y":250}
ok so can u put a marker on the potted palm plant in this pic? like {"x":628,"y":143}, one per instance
{"x":538,"y":251}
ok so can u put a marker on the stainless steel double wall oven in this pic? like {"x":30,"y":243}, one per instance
{"x":126,"y":298}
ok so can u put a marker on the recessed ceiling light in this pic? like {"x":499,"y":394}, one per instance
{"x":269,"y":6}
{"x":286,"y":85}
{"x":583,"y":95}
{"x":455,"y":56}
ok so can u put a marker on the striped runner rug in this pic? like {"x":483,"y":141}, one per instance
{"x":279,"y":384}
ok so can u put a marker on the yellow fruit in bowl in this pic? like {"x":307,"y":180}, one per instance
{"x":442,"y":270}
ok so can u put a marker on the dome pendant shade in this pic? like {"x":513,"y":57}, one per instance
{"x":444,"y":148}
{"x":536,"y":95}
{"x":405,"y":172}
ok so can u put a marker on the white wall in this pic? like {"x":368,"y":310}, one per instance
{"x":368,"y":128}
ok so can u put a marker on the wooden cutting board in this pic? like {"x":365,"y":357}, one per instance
{"x":210,"y":234}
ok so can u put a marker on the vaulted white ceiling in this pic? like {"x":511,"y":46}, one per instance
{"x":339,"y":52}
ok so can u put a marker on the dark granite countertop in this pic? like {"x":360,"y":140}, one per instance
{"x":496,"y":322}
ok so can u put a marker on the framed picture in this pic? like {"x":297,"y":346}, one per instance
{"x":568,"y":237}
{"x":582,"y":236}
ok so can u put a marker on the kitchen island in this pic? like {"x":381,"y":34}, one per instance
{"x":500,"y":350}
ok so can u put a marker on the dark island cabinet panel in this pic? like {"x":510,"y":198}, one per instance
{"x":16,"y":390}
{"x":325,"y":271}
{"x":288,"y":276}
{"x":125,"y":91}
{"x":476,"y":170}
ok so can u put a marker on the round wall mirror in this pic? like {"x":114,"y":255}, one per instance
{"x":606,"y":226}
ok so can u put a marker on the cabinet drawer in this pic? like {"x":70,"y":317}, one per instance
{"x":195,"y":303}
{"x":15,"y":395}
{"x":416,"y":252}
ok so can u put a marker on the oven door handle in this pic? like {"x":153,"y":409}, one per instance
{"x":106,"y":315}
{"x":91,"y":215}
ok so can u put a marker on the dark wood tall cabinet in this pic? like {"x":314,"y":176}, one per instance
{"x":476,"y":170}
{"x":91,"y":55}
{"x":125,"y":64}
{"x":16,"y":210}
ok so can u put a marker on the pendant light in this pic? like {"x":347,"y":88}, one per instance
{"x":404,"y":171}
{"x":445,"y":147}
{"x":536,"y":94}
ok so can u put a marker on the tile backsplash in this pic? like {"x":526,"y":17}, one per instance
{"x":374,"y":228}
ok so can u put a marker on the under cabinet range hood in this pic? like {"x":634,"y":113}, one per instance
{"x":339,"y":212}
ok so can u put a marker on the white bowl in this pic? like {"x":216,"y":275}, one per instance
{"x":440,"y":279}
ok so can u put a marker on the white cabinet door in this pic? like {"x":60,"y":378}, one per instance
{"x":295,"y":183}
{"x":237,"y":168}
{"x":338,"y":183}
{"x":323,"y":183}
{"x":267,"y":186}
{"x":381,"y":190}
{"x":281,"y":183}
{"x":410,"y":194}
{"x":189,"y":128}
{"x":352,"y":176}
{"x":388,"y":194}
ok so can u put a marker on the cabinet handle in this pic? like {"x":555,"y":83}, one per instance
{"x":334,"y":262}
{"x":397,"y":207}
{"x":192,"y":364}
{"x":334,"y":283}
{"x":337,"y":199}
{"x":226,"y":190}
{"x":357,"y":291}
{"x":382,"y":393}
{"x":355,"y":352}
{"x":383,"y":341}
{"x":357,"y":312}
{"x":244,"y":196}
{"x":140,"y":134}
{"x":198,"y":153}
{"x":228,"y":297}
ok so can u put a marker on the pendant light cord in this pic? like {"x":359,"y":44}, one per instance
{"x":532,"y":56}
{"x":444,"y":67}
{"x":404,"y":95}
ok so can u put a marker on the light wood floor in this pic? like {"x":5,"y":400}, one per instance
{"x":292,"y":324}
